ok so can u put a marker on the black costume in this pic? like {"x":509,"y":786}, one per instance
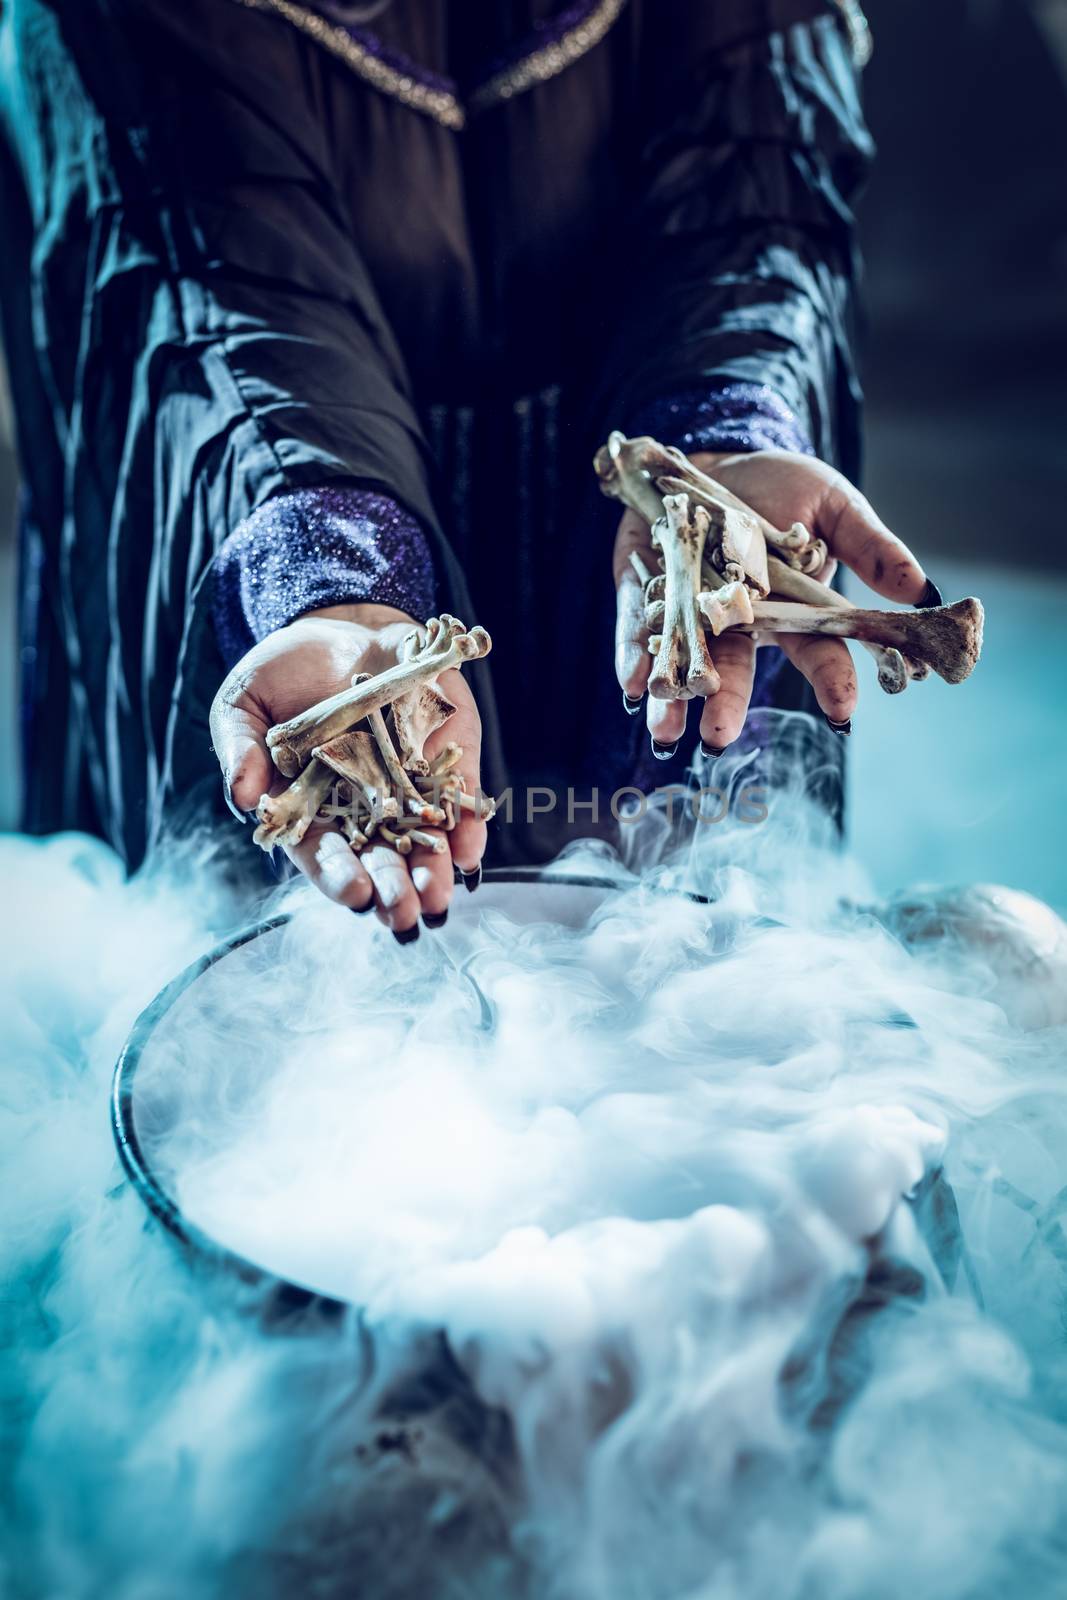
{"x":254,"y":249}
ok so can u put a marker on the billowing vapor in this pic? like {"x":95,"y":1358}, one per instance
{"x":660,"y":1290}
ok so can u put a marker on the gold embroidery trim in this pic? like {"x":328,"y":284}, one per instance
{"x":436,"y":103}
{"x":439,"y":104}
{"x":550,"y":61}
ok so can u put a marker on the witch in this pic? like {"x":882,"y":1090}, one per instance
{"x":315,"y":315}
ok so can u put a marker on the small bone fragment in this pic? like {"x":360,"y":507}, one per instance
{"x":728,"y":607}
{"x":356,"y":838}
{"x":285,"y":818}
{"x":948,"y":638}
{"x":401,"y":842}
{"x":429,"y":841}
{"x":683,"y":668}
{"x":644,"y":576}
{"x":445,"y":759}
{"x":447,"y":644}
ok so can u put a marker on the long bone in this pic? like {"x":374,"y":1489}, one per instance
{"x":285,"y":818}
{"x":893,"y":670}
{"x":406,"y":793}
{"x":447,"y":644}
{"x":683,"y":669}
{"x":946,"y":638}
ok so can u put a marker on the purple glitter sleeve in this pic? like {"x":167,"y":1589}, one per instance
{"x":314,"y":548}
{"x":730,"y":416}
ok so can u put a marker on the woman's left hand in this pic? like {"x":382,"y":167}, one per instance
{"x":785,"y":488}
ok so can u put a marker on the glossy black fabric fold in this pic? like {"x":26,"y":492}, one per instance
{"x":233,"y":269}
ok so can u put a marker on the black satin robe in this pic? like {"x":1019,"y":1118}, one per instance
{"x":232,"y":266}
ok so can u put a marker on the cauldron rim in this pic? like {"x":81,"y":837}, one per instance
{"x":283,"y":1293}
{"x":282,"y":1296}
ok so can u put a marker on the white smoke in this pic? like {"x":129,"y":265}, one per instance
{"x":622,"y":1331}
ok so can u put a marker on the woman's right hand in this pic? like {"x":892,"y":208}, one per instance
{"x":291,"y":669}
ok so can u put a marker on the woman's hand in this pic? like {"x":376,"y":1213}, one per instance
{"x":287,"y":672}
{"x":785,"y":488}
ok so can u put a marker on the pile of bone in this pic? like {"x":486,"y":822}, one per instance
{"x":721,"y":565}
{"x":358,"y":760}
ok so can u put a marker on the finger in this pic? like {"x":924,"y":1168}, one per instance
{"x":468,"y":838}
{"x":325,"y":856}
{"x":828,"y":667}
{"x":432,"y":880}
{"x":666,"y":720}
{"x":859,"y":538}
{"x":632,"y":661}
{"x":239,"y":739}
{"x":394,"y":892}
{"x":723,"y":717}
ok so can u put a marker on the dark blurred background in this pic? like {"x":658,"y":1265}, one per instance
{"x":964,"y":230}
{"x":965,"y":235}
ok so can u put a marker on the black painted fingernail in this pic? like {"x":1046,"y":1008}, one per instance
{"x":931,"y":596}
{"x":632,"y":704}
{"x":434,"y":919}
{"x":470,"y":880}
{"x":711,"y":751}
{"x":231,"y":804}
{"x":843,"y":728}
{"x":361,"y":911}
{"x":663,"y":752}
{"x":406,"y":935}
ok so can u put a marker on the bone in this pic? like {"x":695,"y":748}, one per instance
{"x":414,"y":717}
{"x":446,"y":759}
{"x":405,"y":791}
{"x":644,"y":576}
{"x":741,"y":544}
{"x":622,"y":465}
{"x":285,"y":818}
{"x":355,"y":757}
{"x":683,"y":668}
{"x":893,"y":670}
{"x":728,"y":607}
{"x":447,"y":644}
{"x":622,"y":475}
{"x":946,"y":638}
{"x":429,"y":841}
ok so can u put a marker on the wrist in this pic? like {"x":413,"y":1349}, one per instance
{"x":366,"y":614}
